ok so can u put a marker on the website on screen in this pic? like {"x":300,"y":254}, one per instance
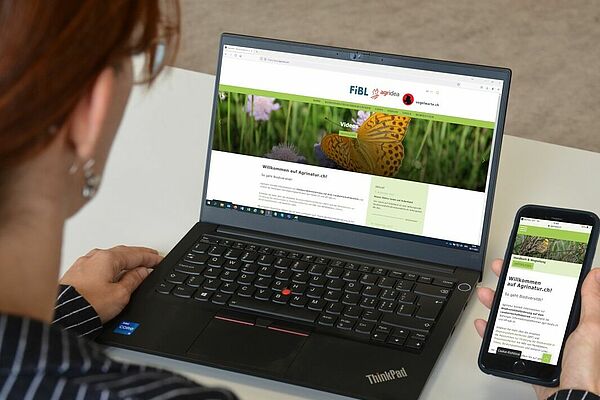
{"x":394,"y":149}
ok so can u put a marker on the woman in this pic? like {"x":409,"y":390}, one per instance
{"x":65,"y":77}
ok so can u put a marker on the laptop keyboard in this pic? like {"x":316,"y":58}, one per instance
{"x":364,"y":302}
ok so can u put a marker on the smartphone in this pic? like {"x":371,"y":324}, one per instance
{"x":536,"y":306}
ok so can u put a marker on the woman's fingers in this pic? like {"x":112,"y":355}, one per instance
{"x":486,"y":296}
{"x":480,"y":325}
{"x":497,"y":266}
{"x":133,"y":278}
{"x":126,"y":258}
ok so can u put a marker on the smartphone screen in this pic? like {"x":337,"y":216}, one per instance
{"x":540,"y":286}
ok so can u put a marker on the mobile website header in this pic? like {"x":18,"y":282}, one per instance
{"x":401,"y":89}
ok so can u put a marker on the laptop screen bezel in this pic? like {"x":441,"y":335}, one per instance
{"x":407,"y":249}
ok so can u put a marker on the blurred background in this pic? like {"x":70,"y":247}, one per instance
{"x":551,"y":46}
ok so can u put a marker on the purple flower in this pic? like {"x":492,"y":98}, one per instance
{"x":322,"y":159}
{"x":362,"y":116}
{"x":260,"y":107}
{"x":285,"y":152}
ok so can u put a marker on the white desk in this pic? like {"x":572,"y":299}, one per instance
{"x":151,"y":196}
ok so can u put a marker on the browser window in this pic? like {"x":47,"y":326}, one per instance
{"x":540,"y":287}
{"x":394,"y":151}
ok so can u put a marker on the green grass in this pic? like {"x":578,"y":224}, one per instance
{"x":434,"y":152}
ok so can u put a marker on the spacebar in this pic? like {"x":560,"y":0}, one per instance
{"x":265,"y":307}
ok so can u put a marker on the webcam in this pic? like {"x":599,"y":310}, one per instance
{"x":355,"y":56}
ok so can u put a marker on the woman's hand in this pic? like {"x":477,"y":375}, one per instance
{"x":581,"y":357}
{"x":107,"y":278}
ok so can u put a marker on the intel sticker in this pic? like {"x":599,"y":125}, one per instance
{"x":126,"y":328}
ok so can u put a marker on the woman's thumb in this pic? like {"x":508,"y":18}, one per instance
{"x":590,"y":297}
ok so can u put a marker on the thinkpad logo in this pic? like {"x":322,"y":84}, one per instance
{"x":386,"y":376}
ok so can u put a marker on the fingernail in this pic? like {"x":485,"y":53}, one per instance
{"x":149,"y":270}
{"x":597,"y":275}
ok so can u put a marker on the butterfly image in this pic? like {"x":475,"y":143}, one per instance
{"x":377,"y":148}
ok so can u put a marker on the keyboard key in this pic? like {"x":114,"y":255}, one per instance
{"x":265,"y":250}
{"x":425,"y":279}
{"x":384,"y":329}
{"x":280,"y":253}
{"x":345,"y":324}
{"x":212,"y":273}
{"x":283,"y":274}
{"x":406,"y":322}
{"x":430,"y":290}
{"x":403,"y":333}
{"x":414,"y":344}
{"x":249,"y":257}
{"x":350,"y":299}
{"x":226,"y":242}
{"x":406,"y":309}
{"x":245,"y":279}
{"x":262,"y":294}
{"x":364,"y":327}
{"x":351,"y":276}
{"x":298,"y":301}
{"x":334,"y":308}
{"x":316,"y":269}
{"x":353,"y":287}
{"x":176,"y":277}
{"x":248,"y":304}
{"x":232,"y":265}
{"x":322,"y":260}
{"x":396,"y":274}
{"x":249,"y":268}
{"x":389,"y":294}
{"x":228,"y":287}
{"x":191,"y":269}
{"x":444,"y":282}
{"x":352,"y":266}
{"x":266,"y":272}
{"x":228,"y":276}
{"x":195,"y":258}
{"x":279,"y":285}
{"x":379,"y":271}
{"x":387,"y":306}
{"x":318,"y":281}
{"x":371,"y":315}
{"x":183,"y":291}
{"x":298,"y":288}
{"x":369,"y":279}
{"x":396,"y":340}
{"x":332,"y":295}
{"x":282,"y":263}
{"x":379,"y":336}
{"x":364,"y":268}
{"x":352,"y":312}
{"x":386,"y":282}
{"x":315,"y":292}
{"x":232,"y":254}
{"x":337,"y":263}
{"x":370,"y":291}
{"x":309,"y":258}
{"x":280,"y":298}
{"x":239,"y":245}
{"x":246,"y":291}
{"x":209,"y":239}
{"x":211,"y":284}
{"x":299,"y":266}
{"x":409,"y":276}
{"x":220,"y":298}
{"x":195,"y":281}
{"x":216,"y":250}
{"x":334,"y":273}
{"x":164,"y":288}
{"x":265,"y":260}
{"x":404,"y":285}
{"x":407,"y":298}
{"x":369,"y":302}
{"x":300,"y":277}
{"x":200,"y":247}
{"x":326,"y":320}
{"x":316,"y":304}
{"x":335,"y":284}
{"x":418,"y":336}
{"x":262,"y":282}
{"x":294,"y":256}
{"x":203,"y":295}
{"x":429,"y":308}
{"x":252,"y":247}
{"x":215,"y":262}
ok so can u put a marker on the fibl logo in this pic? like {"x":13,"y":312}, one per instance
{"x":359,"y":90}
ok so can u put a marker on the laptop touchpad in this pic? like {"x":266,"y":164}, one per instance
{"x":226,"y":343}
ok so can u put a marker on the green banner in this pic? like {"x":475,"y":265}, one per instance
{"x":522,"y":264}
{"x":358,"y":106}
{"x":581,"y":237}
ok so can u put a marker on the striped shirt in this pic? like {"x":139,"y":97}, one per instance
{"x":40,"y":361}
{"x":58,"y":361}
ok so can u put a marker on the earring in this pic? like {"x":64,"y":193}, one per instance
{"x":92,"y":181}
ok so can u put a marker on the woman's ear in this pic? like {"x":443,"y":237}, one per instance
{"x":87,"y":120}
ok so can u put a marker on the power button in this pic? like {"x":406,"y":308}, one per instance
{"x":464,"y":287}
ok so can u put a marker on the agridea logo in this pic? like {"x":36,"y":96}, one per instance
{"x":359,"y":90}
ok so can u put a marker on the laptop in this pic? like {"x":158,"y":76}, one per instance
{"x":344,"y":219}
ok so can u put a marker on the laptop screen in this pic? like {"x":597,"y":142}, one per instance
{"x":385,"y":150}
